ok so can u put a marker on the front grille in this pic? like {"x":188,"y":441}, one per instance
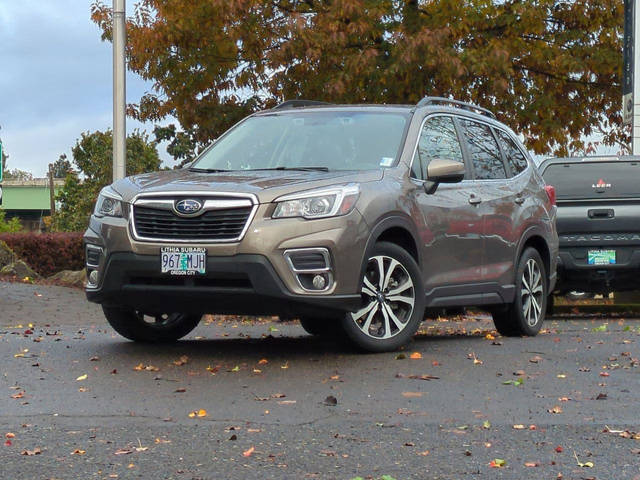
{"x":214,"y":225}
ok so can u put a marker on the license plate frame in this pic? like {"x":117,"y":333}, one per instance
{"x":601,"y":257}
{"x":183,"y":261}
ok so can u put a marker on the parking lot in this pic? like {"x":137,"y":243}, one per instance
{"x":261,"y":399}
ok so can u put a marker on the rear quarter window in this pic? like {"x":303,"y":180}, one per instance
{"x":591,"y":180}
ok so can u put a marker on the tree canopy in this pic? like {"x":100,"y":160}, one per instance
{"x":550,"y":69}
{"x":92,"y":157}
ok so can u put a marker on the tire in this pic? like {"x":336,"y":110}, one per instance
{"x":322,"y":327}
{"x":138,"y":327}
{"x":526,"y":314}
{"x":393,"y":301}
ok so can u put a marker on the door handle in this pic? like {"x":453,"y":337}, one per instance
{"x":519,"y":199}
{"x":473,"y":200}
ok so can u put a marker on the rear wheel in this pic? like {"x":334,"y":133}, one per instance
{"x":140,"y":327}
{"x":525,"y":315}
{"x":392,"y":301}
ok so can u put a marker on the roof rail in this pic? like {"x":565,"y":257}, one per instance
{"x":298,"y":104}
{"x":457,"y":104}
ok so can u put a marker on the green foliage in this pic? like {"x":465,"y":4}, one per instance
{"x":9,"y":226}
{"x":550,"y":68}
{"x":92,"y":157}
{"x":61,"y":167}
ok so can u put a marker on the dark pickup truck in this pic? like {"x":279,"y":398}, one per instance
{"x":598,"y":202}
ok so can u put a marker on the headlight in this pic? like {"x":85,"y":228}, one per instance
{"x":109,"y":203}
{"x":326,"y":202}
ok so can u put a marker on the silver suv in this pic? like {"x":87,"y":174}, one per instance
{"x":353,"y":218}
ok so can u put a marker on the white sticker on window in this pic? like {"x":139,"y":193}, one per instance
{"x":386,"y":161}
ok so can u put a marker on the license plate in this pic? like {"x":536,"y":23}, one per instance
{"x":602,"y":257}
{"x":183,"y":260}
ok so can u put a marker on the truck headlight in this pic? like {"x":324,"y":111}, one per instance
{"x":321,"y":203}
{"x":109,"y":203}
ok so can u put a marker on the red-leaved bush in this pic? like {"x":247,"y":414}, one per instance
{"x":47,"y":253}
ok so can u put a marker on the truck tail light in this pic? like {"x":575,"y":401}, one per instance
{"x":551,"y":193}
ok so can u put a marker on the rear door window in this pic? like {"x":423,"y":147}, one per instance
{"x":515,"y":158}
{"x":484,"y":151}
{"x":438,"y":139}
{"x":589,"y":180}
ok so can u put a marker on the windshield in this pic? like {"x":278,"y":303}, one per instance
{"x":594,"y":180}
{"x":334,"y":140}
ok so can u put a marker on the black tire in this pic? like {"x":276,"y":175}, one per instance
{"x":406,"y":306}
{"x":516,"y":319}
{"x":136,"y":326}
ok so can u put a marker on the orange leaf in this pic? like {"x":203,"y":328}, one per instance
{"x":415,"y":356}
{"x":263,"y":361}
{"x":247,"y":453}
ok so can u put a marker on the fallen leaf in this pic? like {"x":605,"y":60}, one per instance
{"x":10,"y":435}
{"x":180,"y":390}
{"x":7,"y":443}
{"x":417,"y":377}
{"x":235,"y":369}
{"x":77,"y":451}
{"x":412,"y":394}
{"x":488,"y":336}
{"x":148,"y":368}
{"x":401,"y":356}
{"x":247,"y":453}
{"x":424,"y":454}
{"x":536,"y":359}
{"x":181,"y":361}
{"x":531,"y":464}
{"x":580,"y":464}
{"x":601,"y":396}
{"x":415,"y":356}
{"x":123,"y":451}
{"x":331,"y":401}
{"x":17,"y":395}
{"x":559,"y":449}
{"x":35,"y":451}
{"x":555,"y":409}
{"x":162,"y":440}
{"x":604,"y":374}
{"x":81,"y":378}
{"x":486,"y":425}
{"x":518,"y":427}
{"x":289,"y":402}
{"x":497,"y":463}
{"x":94,"y":359}
{"x":198,"y":413}
{"x":263,"y":361}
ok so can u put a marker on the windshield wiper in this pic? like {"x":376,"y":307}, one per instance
{"x":299,"y":169}
{"x":208,"y":170}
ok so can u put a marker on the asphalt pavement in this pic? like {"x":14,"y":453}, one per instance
{"x":260,"y":399}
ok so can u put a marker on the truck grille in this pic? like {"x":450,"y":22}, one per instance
{"x":213,"y":225}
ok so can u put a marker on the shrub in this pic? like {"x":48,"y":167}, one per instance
{"x":47,"y":253}
{"x":11,"y":225}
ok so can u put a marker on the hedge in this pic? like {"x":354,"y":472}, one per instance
{"x":47,"y":253}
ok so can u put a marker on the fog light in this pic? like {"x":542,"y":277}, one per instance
{"x":319,"y":282}
{"x":93,"y":277}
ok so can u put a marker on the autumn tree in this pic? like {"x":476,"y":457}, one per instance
{"x":549,"y":68}
{"x":93,"y":169}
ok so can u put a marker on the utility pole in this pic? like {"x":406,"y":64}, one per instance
{"x":631,"y":72}
{"x":52,"y":196}
{"x":119,"y":91}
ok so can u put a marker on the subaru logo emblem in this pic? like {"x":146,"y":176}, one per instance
{"x":188,"y":206}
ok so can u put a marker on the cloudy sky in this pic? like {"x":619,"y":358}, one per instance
{"x":55,"y":80}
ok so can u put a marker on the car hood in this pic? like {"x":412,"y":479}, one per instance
{"x":266,"y":185}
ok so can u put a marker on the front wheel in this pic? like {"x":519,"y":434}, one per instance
{"x":525,"y":315}
{"x":140,"y":327}
{"x":392,"y":301}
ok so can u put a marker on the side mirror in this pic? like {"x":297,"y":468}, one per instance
{"x":441,"y":170}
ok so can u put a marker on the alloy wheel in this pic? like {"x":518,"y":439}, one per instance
{"x":532,"y":292}
{"x":388,"y":296}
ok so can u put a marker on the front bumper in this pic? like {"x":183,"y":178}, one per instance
{"x":242,"y":284}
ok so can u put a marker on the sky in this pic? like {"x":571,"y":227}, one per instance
{"x":55,"y":81}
